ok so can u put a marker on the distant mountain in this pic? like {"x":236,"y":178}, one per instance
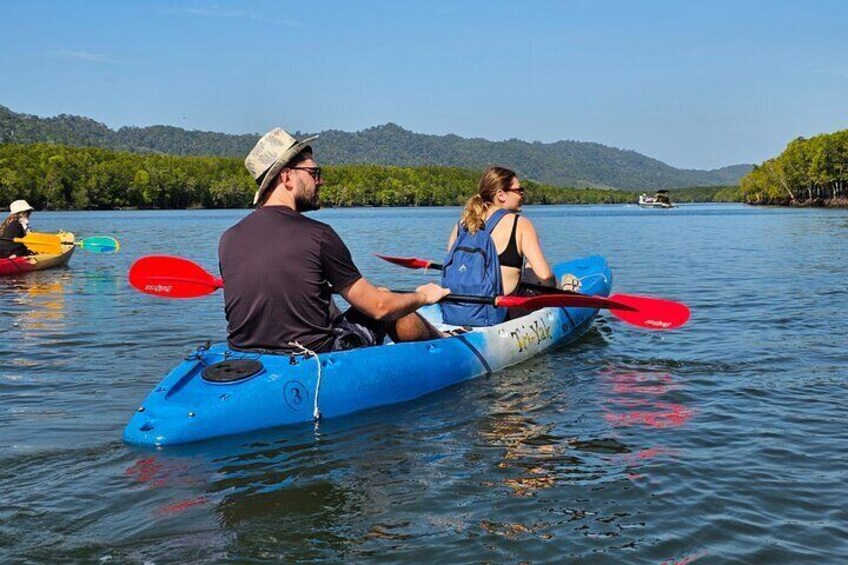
{"x":563,"y":163}
{"x":85,"y":132}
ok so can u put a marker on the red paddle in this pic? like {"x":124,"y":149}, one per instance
{"x":645,"y":312}
{"x":172,"y":277}
{"x":411,"y":262}
{"x":175,"y":277}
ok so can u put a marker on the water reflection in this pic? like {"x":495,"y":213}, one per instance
{"x":265,"y":488}
{"x":35,"y":310}
{"x":541,"y":455}
{"x":533,"y":456}
{"x":634,"y":398}
{"x":44,"y":306}
{"x":36,"y":303}
{"x":609,"y":451}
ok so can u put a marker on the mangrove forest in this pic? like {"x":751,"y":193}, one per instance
{"x":809,"y":172}
{"x":60,"y":177}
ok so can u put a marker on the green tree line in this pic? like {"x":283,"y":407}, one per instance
{"x":706,"y":194}
{"x":59,"y":177}
{"x":809,"y":172}
{"x":562,"y":163}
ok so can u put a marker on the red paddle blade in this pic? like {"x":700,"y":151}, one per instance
{"x":172,"y":277}
{"x":570,"y":300}
{"x":408,"y":262}
{"x":641,"y":311}
{"x":651,"y":313}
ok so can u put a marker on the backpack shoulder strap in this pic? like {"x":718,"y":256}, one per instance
{"x":494,"y":220}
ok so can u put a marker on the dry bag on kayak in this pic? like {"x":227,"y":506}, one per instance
{"x":472,"y":267}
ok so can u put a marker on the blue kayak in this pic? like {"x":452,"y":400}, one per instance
{"x":217,"y":391}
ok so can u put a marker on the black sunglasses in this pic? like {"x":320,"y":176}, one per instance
{"x":314,"y":171}
{"x":519,"y":190}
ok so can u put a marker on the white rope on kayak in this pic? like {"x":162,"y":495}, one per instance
{"x":316,"y":414}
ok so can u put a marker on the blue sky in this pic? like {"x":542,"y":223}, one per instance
{"x":696,"y":84}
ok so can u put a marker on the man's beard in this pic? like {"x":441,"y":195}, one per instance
{"x":307,"y":203}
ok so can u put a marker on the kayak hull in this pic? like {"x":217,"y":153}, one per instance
{"x":185,"y":407}
{"x":40,"y":261}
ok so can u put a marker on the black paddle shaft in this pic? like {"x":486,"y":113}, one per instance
{"x":530,"y":286}
{"x":465,"y":298}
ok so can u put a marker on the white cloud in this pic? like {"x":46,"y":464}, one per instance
{"x":78,"y":55}
{"x":220,"y":12}
{"x":215,"y":12}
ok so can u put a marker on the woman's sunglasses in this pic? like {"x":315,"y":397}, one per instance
{"x":519,"y":190}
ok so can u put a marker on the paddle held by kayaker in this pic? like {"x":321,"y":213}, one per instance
{"x":16,"y":225}
{"x":488,"y":249}
{"x":280,"y":267}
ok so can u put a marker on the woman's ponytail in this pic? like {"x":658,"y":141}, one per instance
{"x":493,"y":180}
{"x":474,"y":215}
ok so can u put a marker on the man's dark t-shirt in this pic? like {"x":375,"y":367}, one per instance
{"x":277,"y":267}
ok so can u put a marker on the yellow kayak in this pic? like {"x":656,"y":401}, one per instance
{"x":41,"y":261}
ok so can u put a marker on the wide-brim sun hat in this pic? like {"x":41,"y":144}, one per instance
{"x":19,"y":206}
{"x":271,"y":153}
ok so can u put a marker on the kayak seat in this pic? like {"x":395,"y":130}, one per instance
{"x":232,"y":370}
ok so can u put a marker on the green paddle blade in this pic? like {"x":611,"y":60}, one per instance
{"x":100,"y":244}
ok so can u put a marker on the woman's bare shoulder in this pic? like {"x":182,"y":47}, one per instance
{"x":525,"y":224}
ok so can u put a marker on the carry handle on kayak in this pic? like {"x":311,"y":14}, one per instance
{"x":176,"y":277}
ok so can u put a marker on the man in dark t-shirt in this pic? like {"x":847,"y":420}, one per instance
{"x":280,"y":268}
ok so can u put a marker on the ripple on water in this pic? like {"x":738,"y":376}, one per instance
{"x":721,"y":442}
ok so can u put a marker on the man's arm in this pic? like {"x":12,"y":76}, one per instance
{"x":364,"y":296}
{"x":388,"y":306}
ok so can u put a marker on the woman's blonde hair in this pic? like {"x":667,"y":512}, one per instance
{"x":493,"y":180}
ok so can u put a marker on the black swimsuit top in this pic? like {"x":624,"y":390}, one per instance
{"x":510,"y":256}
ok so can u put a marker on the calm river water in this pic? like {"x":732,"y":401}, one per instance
{"x":723,"y":442}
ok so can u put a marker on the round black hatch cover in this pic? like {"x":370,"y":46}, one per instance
{"x":232,"y":370}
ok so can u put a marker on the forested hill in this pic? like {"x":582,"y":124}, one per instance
{"x":564,"y":163}
{"x":85,"y":132}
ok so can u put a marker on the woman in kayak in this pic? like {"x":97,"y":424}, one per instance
{"x":499,"y":198}
{"x":16,"y":225}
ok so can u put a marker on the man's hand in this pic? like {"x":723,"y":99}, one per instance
{"x":390,"y":306}
{"x":431,"y":293}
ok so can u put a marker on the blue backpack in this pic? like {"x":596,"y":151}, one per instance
{"x":472,"y":267}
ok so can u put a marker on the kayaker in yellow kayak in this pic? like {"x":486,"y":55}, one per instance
{"x":280,"y":268}
{"x":16,"y":225}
